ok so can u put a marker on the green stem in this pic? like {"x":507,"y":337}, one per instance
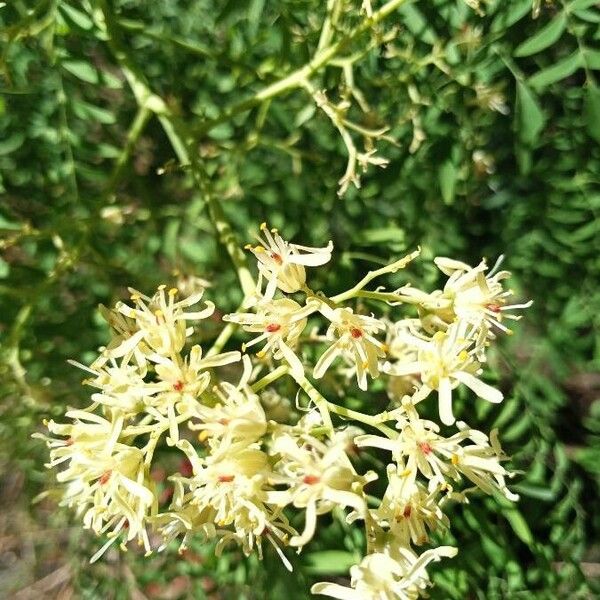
{"x":270,"y":378}
{"x":318,"y":399}
{"x":177,"y":132}
{"x":137,"y":127}
{"x":391,"y":268}
{"x":295,"y":79}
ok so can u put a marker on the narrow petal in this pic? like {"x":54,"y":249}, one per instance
{"x":445,"y":400}
{"x":483,"y":390}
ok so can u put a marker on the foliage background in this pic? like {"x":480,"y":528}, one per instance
{"x":94,"y":198}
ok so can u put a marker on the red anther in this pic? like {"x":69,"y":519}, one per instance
{"x":277,"y":258}
{"x":224,"y":421}
{"x":105,"y":477}
{"x":69,"y":442}
{"x":356,"y":333}
{"x":496,"y":308}
{"x":272,"y":327}
{"x":407,"y":511}
{"x":178,"y":386}
{"x":311,"y":479}
{"x":226,"y":478}
{"x":425,"y":447}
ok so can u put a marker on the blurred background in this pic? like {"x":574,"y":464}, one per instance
{"x":494,"y":148}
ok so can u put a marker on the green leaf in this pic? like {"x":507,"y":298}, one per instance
{"x":448,"y":176}
{"x":591,"y":111}
{"x":12,"y":143}
{"x":581,"y":4}
{"x":519,"y":525}
{"x":512,"y":13}
{"x":75,"y":17}
{"x":529,"y":116}
{"x":87,"y":111}
{"x":330,"y":562}
{"x":544,"y":38}
{"x":563,"y":68}
{"x":82,"y":70}
{"x":591,"y":58}
{"x":417,"y":24}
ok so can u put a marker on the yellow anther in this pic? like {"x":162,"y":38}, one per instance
{"x":274,"y":230}
{"x":454,"y":459}
{"x":203,"y":435}
{"x":463,"y":355}
{"x":263,"y":226}
{"x":365,"y":365}
{"x":161,"y":287}
{"x":135,"y":297}
{"x":509,"y":332}
{"x":173,"y":292}
{"x":438,"y":336}
{"x":158,"y":313}
{"x":243,"y":347}
{"x":259,"y":249}
{"x":261,"y":354}
{"x":405,"y":473}
{"x":385,"y":348}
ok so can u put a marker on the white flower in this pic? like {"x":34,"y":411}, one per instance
{"x":408,"y":509}
{"x":354,"y":339}
{"x":477,"y":296}
{"x":444,"y":362}
{"x":421,"y":448}
{"x":320,"y":476}
{"x":237,"y":416}
{"x":282,"y":263}
{"x":106,"y":480}
{"x":279,"y":323}
{"x":233,"y":483}
{"x":383,"y":577}
{"x":160,"y":322}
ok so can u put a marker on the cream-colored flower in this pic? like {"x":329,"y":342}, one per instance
{"x":279,"y":323}
{"x":380,"y":576}
{"x":444,"y":362}
{"x":282,"y":264}
{"x":107,"y":481}
{"x":420,"y":448}
{"x":470,"y":295}
{"x":354,"y":338}
{"x":160,"y":321}
{"x":408,"y":510}
{"x":319,"y":476}
{"x":234,"y":483}
{"x":237,"y":416}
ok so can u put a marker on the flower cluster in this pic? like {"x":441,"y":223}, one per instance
{"x":249,"y":474}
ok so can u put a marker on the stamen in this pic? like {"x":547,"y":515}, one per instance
{"x":226,"y":478}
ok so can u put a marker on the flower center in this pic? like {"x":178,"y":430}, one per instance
{"x":425,"y":447}
{"x":272,"y":327}
{"x":311,"y":479}
{"x":178,"y":386}
{"x":226,"y":478}
{"x":356,"y":333}
{"x":105,"y":477}
{"x":495,"y":308}
{"x":277,"y":258}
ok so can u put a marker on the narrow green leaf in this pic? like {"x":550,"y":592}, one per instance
{"x":563,"y":68}
{"x":519,"y":525}
{"x":529,"y":116}
{"x":82,"y":70}
{"x":448,"y":175}
{"x":75,"y":17}
{"x":87,"y":111}
{"x":513,"y":12}
{"x":591,"y":111}
{"x":417,"y":24}
{"x":591,"y":58}
{"x":12,"y":143}
{"x":581,"y":4}
{"x":544,"y":38}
